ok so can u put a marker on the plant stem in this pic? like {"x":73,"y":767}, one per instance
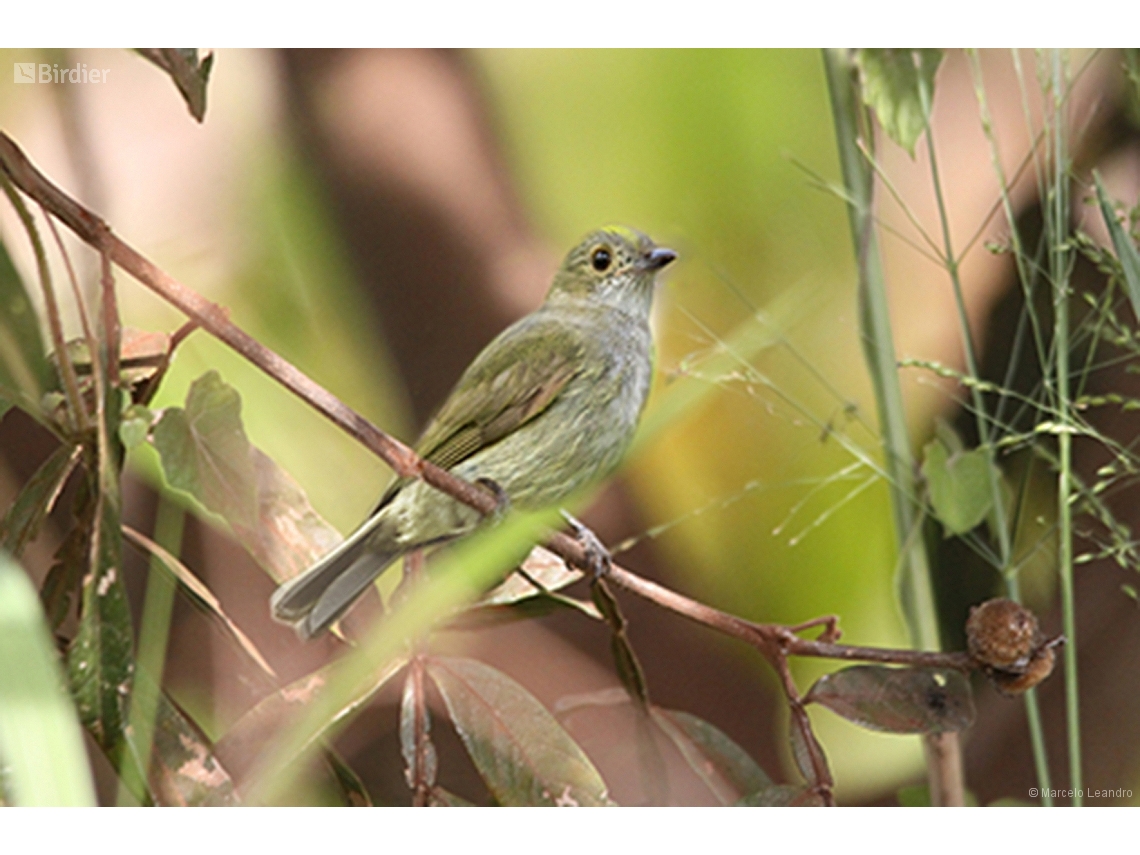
{"x":154,"y":634}
{"x":879,"y":350}
{"x":970,"y":351}
{"x":1059,"y":273}
{"x":919,"y":607}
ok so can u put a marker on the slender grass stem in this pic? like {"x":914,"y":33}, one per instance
{"x":917,"y":588}
{"x":1059,"y":270}
{"x":952,"y":267}
{"x":154,"y":634}
{"x":1026,"y":278}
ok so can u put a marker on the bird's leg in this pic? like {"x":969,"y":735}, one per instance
{"x":502,"y":500}
{"x":597,"y":556}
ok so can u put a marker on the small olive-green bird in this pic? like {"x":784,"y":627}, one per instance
{"x":548,"y":407}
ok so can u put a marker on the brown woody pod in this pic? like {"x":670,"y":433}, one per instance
{"x":1006,"y":642}
{"x":1002,"y":634}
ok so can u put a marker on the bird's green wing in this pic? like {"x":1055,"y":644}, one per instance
{"x":514,"y":379}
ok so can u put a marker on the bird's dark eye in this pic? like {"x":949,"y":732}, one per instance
{"x":601,"y":259}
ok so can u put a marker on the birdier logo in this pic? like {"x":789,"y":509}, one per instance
{"x":30,"y":72}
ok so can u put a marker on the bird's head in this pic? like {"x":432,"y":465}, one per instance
{"x":614,"y":265}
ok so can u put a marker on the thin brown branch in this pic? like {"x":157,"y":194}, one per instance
{"x":774,"y":640}
{"x":944,"y":759}
{"x":419,"y":779}
{"x":112,"y":327}
{"x":147,"y":390}
{"x":211,"y":317}
{"x":55,"y":325}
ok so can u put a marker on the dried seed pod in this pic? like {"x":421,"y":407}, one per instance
{"x":1004,"y":635}
{"x":1040,"y":667}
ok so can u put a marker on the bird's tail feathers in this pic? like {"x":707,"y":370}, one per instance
{"x":313,"y":601}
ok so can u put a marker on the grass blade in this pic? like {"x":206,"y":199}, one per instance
{"x":40,"y":739}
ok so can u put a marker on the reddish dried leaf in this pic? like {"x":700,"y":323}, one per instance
{"x":724,"y":767}
{"x":805,"y":747}
{"x":898,"y":700}
{"x":521,"y":751}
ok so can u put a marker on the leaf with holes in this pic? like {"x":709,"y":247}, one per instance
{"x":184,"y":770}
{"x":898,"y":700}
{"x":100,"y":659}
{"x":523,"y":754}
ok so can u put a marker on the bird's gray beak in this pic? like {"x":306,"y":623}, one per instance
{"x":657,"y":258}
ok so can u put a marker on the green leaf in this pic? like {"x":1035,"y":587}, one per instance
{"x":1125,"y":249}
{"x":1132,"y":72}
{"x":959,"y":485}
{"x":135,"y":426}
{"x":40,"y":740}
{"x":100,"y":660}
{"x":897,"y":700}
{"x":724,"y":767}
{"x":188,"y":74}
{"x":520,"y":750}
{"x":205,"y":451}
{"x":918,"y":795}
{"x":891,"y":87}
{"x":352,"y":789}
{"x":22,"y":522}
{"x":24,"y":372}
